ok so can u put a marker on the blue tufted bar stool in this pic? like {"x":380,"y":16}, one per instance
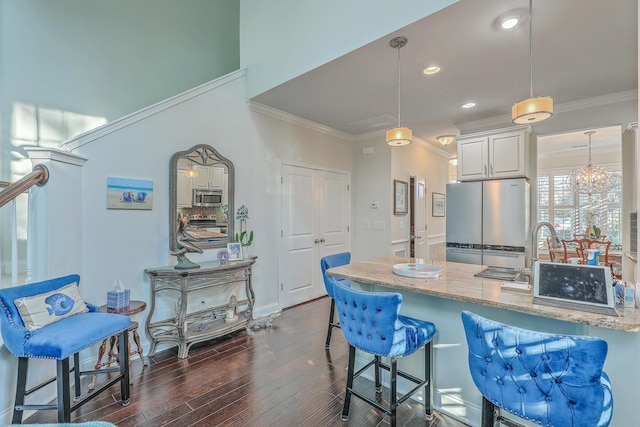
{"x":49,"y":320}
{"x":370,"y":321}
{"x":326,"y":263}
{"x":547,"y":379}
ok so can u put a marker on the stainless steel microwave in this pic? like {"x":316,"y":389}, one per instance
{"x":207,"y":198}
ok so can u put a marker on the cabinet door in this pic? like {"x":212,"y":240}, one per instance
{"x":507,"y":155}
{"x":215,"y":177}
{"x":184,"y":194}
{"x":202,"y":180}
{"x":472,"y":159}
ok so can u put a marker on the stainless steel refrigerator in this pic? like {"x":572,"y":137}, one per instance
{"x":488,"y":222}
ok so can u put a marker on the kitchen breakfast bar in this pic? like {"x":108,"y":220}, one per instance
{"x":441,"y":300}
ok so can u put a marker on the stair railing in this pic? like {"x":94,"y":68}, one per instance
{"x":38,"y":176}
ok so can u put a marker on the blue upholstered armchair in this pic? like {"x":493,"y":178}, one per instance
{"x":370,"y":321}
{"x":326,"y":263}
{"x":549,"y":379}
{"x":49,"y":320}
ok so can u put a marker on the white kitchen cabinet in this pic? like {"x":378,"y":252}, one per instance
{"x":184,"y":193}
{"x":209,"y":177}
{"x":494,"y":154}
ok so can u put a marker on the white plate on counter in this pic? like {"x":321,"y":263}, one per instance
{"x":423,"y":271}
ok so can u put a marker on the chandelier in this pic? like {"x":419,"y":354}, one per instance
{"x":591,"y":179}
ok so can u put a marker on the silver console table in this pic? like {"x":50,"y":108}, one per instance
{"x":190,"y":327}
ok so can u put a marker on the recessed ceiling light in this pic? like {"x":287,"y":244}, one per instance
{"x":510,"y":22}
{"x":468,"y":105}
{"x":431,"y":70}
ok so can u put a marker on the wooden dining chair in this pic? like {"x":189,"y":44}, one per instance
{"x":576,"y":245}
{"x":581,"y":249}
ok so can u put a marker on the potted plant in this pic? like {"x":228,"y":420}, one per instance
{"x":244,"y":236}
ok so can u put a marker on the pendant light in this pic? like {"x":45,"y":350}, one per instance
{"x":399,"y":136}
{"x":591,"y":179}
{"x":537,"y":109}
{"x":191,"y":172}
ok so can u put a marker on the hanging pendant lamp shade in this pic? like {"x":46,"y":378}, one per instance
{"x":531,"y":110}
{"x":591,"y":179}
{"x":399,"y":136}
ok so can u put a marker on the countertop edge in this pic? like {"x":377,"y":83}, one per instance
{"x":578,"y":317}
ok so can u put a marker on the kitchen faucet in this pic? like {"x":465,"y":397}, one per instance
{"x":555,"y":243}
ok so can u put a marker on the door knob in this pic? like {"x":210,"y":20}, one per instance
{"x":316,"y":241}
{"x":322,"y":240}
{"x":418,"y":237}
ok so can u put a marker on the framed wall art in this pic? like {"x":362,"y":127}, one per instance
{"x":437,"y":204}
{"x":400,"y":202}
{"x":129,"y":193}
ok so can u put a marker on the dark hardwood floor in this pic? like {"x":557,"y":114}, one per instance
{"x":279,"y":376}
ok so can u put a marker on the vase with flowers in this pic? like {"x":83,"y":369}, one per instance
{"x":244,"y":236}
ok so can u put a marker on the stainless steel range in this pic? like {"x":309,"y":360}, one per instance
{"x":203,"y":222}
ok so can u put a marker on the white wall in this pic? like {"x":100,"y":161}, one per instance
{"x":296,"y":25}
{"x":374,"y":173}
{"x":372,"y":182}
{"x":123,"y":243}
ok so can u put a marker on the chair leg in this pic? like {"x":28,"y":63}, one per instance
{"x":76,"y":374}
{"x":428,"y":354}
{"x":347,"y":394}
{"x":392,"y":391}
{"x":124,"y":368}
{"x":331,"y":325}
{"x":377,"y":375}
{"x":488,"y":413}
{"x":64,"y":392}
{"x":21,"y":388}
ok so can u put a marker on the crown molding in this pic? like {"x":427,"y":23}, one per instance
{"x":596,"y":101}
{"x":275,"y":113}
{"x":382,"y":134}
{"x":108,"y":128}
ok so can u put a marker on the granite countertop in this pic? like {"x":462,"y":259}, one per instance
{"x":458,"y":283}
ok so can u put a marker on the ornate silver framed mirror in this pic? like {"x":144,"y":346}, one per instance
{"x":201,"y":191}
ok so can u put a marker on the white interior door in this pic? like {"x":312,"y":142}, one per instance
{"x":420,"y":226}
{"x":315,"y":223}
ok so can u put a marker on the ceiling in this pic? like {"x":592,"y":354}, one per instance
{"x":581,"y":49}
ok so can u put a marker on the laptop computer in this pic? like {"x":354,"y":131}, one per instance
{"x":575,"y":287}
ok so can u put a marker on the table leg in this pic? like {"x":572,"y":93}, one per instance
{"x":103,"y":348}
{"x":136,"y":339}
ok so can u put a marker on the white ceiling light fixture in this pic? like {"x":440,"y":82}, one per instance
{"x":510,"y":22}
{"x":468,"y":105}
{"x":532,"y":110}
{"x":399,"y":136}
{"x":434,"y":69}
{"x":591,"y":179}
{"x":454,"y":161}
{"x":446,"y":139}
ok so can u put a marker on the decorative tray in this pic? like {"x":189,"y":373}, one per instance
{"x":423,"y":271}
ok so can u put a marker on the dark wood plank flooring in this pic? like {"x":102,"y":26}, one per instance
{"x":279,"y":376}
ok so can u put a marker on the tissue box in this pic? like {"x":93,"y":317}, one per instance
{"x":118,"y":300}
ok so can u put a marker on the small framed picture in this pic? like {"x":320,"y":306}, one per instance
{"x":235,"y":251}
{"x":400,"y":203}
{"x":437,"y":204}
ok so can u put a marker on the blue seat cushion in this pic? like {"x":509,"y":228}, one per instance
{"x":68,"y":336}
{"x":424,"y":331}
